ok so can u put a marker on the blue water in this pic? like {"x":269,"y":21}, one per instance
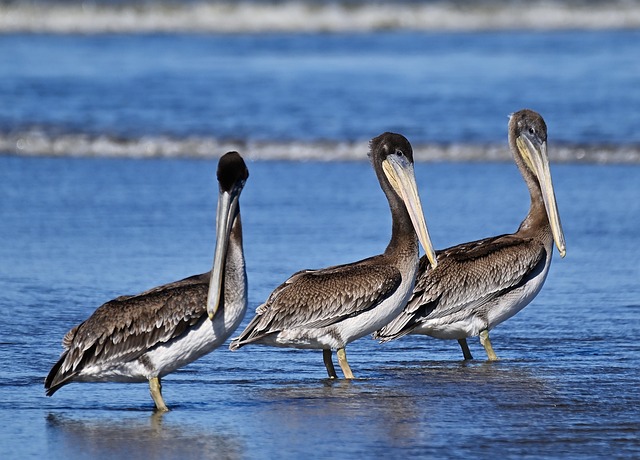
{"x":77,"y":232}
{"x":438,"y":88}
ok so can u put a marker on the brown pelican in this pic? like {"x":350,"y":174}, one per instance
{"x":144,"y":337}
{"x":328,"y":308}
{"x":478,"y":285}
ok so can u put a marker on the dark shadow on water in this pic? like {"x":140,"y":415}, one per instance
{"x":313,"y":414}
{"x":479,"y":382}
{"x":117,"y":436}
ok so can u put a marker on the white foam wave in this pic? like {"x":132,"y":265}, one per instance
{"x":291,"y":16}
{"x":36,"y":143}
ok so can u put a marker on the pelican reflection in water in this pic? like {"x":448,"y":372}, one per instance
{"x":478,"y":285}
{"x":328,"y":308}
{"x":147,"y":336}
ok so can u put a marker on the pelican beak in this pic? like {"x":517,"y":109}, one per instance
{"x":225,"y":217}
{"x":399,"y":172}
{"x":535,"y":155}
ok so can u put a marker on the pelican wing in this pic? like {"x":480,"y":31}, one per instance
{"x":467,"y":276}
{"x":128,"y":326}
{"x":319,"y":298}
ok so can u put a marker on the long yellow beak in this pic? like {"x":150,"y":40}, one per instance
{"x":226,"y":211}
{"x":535,"y":154}
{"x":399,"y":172}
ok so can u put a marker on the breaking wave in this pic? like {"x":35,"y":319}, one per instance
{"x":34,"y":143}
{"x":102,"y":16}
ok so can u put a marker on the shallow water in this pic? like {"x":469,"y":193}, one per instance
{"x":77,"y":232}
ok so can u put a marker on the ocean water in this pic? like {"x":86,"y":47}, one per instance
{"x":321,"y":96}
{"x":77,"y":232}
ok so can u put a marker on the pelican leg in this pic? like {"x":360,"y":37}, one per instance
{"x":486,"y":343}
{"x":155,"y":388}
{"x":328,"y":363}
{"x":465,"y":349}
{"x":344,"y":365}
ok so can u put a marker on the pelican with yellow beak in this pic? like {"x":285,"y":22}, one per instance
{"x":328,"y":308}
{"x":478,"y":285}
{"x":146,"y":336}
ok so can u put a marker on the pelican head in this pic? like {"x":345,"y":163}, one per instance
{"x":232,"y":175}
{"x":528,"y":136}
{"x":393,"y":153}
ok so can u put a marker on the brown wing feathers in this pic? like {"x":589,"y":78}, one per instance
{"x":318,"y":298}
{"x":128,"y":326}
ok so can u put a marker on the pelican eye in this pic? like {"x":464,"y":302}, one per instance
{"x":399,"y":152}
{"x":532,"y":130}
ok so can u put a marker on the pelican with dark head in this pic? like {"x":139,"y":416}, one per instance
{"x":144,"y":337}
{"x":328,"y":308}
{"x":478,"y":285}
